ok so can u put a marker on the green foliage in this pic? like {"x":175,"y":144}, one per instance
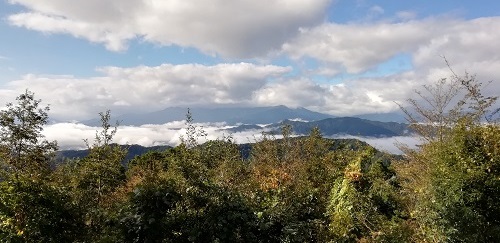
{"x":172,"y":201}
{"x":363,"y":202}
{"x":93,"y":182}
{"x":457,"y":197}
{"x":301,"y":196}
{"x":145,"y":218}
{"x":101,"y":171}
{"x":32,"y":211}
{"x":22,"y":147}
{"x":451,"y":183}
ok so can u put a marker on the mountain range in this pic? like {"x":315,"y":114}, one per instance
{"x":233,"y":115}
{"x":334,"y":126}
{"x":244,"y":149}
{"x":257,"y":120}
{"x":229,"y":115}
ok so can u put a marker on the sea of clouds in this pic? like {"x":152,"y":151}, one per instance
{"x":72,"y":135}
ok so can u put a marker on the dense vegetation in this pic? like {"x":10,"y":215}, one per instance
{"x":306,"y":189}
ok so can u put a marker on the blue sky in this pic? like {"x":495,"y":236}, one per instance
{"x":338,"y":57}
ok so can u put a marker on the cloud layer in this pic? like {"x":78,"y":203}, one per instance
{"x":146,"y":88}
{"x":345,"y":55}
{"x":238,"y":28}
{"x":71,"y":135}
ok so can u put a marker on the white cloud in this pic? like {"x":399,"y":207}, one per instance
{"x":359,"y":47}
{"x":248,"y":29}
{"x":338,"y":48}
{"x":293,"y":93}
{"x":72,"y":135}
{"x":115,"y":40}
{"x":467,"y":44}
{"x":144,"y":88}
{"x":238,"y":28}
{"x":346,"y":99}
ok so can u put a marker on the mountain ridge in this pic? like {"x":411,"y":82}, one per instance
{"x":335,"y":126}
{"x":244,"y":149}
{"x":230,"y":115}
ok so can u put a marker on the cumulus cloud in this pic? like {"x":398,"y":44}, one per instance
{"x":238,"y":28}
{"x":145,"y":88}
{"x":346,"y":99}
{"x":338,"y":48}
{"x":467,"y":44}
{"x":115,"y":41}
{"x":293,"y":93}
{"x":359,"y":47}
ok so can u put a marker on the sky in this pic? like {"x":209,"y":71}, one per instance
{"x":337,"y":57}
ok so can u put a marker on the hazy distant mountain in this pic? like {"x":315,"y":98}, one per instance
{"x":233,"y":115}
{"x":337,"y":126}
{"x":245,"y":127}
{"x":397,"y":116}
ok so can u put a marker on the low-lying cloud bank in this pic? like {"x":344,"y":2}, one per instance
{"x":72,"y":135}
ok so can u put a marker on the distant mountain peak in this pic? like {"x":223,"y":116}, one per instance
{"x":353,"y":126}
{"x":230,"y":115}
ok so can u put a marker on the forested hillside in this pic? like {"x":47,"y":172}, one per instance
{"x":305,"y":189}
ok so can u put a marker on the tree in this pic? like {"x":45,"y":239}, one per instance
{"x":193,"y":133}
{"x":31,"y":208}
{"x":443,"y":104}
{"x":101,"y":171}
{"x":363,"y":204}
{"x":22,"y":146}
{"x":36,"y":211}
{"x":450,"y":182}
{"x":95,"y":179}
